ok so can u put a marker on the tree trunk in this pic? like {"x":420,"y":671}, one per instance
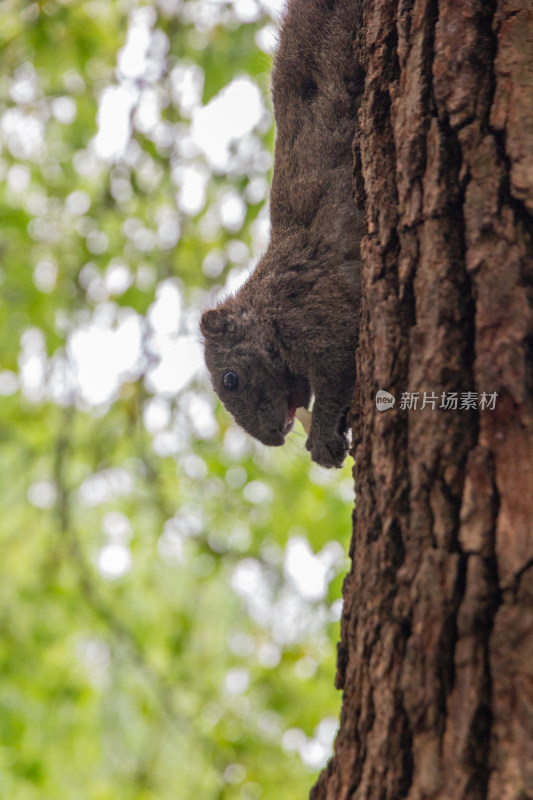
{"x":436,"y":657}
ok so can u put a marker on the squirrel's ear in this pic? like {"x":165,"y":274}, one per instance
{"x":213,"y":322}
{"x":222,"y":320}
{"x":216,"y":321}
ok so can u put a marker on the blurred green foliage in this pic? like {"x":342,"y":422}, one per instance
{"x":170,"y":589}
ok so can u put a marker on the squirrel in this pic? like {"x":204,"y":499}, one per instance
{"x":290,"y":332}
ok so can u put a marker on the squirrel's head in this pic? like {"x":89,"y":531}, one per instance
{"x":248,"y":373}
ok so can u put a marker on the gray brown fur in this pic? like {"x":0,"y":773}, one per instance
{"x":291,"y":330}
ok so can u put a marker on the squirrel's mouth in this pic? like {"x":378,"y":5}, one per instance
{"x":289,"y":422}
{"x":299,"y":395}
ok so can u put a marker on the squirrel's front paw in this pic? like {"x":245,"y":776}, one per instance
{"x":328,"y":451}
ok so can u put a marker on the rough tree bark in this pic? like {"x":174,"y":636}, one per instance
{"x":436,"y":657}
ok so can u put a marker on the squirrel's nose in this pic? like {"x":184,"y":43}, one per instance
{"x":274,"y":438}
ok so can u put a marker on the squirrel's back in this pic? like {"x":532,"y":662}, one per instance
{"x":316,"y":84}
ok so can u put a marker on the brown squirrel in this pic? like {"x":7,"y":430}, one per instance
{"x":290,"y":332}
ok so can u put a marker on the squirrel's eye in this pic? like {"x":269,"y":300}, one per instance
{"x":230,"y":380}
